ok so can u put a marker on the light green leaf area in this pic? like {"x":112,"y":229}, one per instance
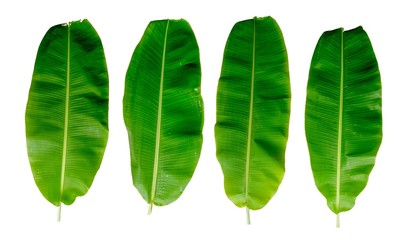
{"x":67,"y":112}
{"x":163,"y":110}
{"x":253,"y":108}
{"x":343,"y":117}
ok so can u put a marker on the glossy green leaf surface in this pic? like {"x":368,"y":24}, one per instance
{"x":343,"y":118}
{"x":163,"y":110}
{"x":253,"y":108}
{"x":67,"y":112}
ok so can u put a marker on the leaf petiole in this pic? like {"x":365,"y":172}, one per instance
{"x":59,"y":213}
{"x":248,"y":215}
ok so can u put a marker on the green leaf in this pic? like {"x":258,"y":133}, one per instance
{"x":253,"y":108}
{"x":163,"y":110}
{"x":343,"y":117}
{"x":67,"y":112}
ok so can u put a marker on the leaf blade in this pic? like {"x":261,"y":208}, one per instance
{"x":254,"y":82}
{"x":168,"y":48}
{"x":62,"y":165}
{"x":345,"y":55}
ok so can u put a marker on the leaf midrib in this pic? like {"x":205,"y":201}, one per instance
{"x":250,"y":125}
{"x":159,"y":115}
{"x":340,"y":126}
{"x":66,"y":115}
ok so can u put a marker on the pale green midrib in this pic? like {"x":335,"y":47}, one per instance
{"x":66,"y":114}
{"x":249,"y":134}
{"x":340,"y":123}
{"x":159,"y":114}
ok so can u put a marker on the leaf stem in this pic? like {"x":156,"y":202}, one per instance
{"x":248,"y":215}
{"x":150,"y":209}
{"x":337,"y":221}
{"x":59,"y":213}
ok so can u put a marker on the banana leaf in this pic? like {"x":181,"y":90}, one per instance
{"x":163,"y":111}
{"x":343,"y":116}
{"x":253,"y":108}
{"x":67,"y":112}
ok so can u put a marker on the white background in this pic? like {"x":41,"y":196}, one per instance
{"x":113,"y":209}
